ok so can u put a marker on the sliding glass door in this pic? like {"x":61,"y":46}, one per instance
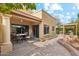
{"x":20,"y":28}
{"x":36,"y":31}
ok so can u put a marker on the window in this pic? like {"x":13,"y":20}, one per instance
{"x":52,"y":28}
{"x":46,"y":29}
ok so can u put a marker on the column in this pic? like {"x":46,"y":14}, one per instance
{"x":76,"y":28}
{"x":6,"y":45}
{"x":1,"y":29}
{"x":41,"y":32}
{"x":6,"y":24}
{"x":30,"y":29}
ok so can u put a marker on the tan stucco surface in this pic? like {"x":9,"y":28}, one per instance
{"x":46,"y":20}
{"x":38,"y":14}
{"x":1,"y":33}
{"x":49,"y":20}
{"x":1,"y":30}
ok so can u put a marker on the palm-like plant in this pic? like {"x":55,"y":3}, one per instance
{"x":28,"y":6}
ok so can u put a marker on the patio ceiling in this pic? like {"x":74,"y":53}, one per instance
{"x":17,"y":14}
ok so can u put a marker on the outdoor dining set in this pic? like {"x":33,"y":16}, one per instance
{"x":16,"y":38}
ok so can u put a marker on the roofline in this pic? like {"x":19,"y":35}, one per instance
{"x":18,"y":12}
{"x":45,"y":12}
{"x":49,"y":14}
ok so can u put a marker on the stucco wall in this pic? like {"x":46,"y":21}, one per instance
{"x":38,"y":14}
{"x":0,"y":29}
{"x":1,"y":33}
{"x":47,"y":20}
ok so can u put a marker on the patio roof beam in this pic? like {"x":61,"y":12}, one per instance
{"x":22,"y":14}
{"x":23,"y":19}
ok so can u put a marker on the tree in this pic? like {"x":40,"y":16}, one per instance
{"x":78,"y":15}
{"x":77,"y":20}
{"x":72,"y":21}
{"x":59,"y":24}
{"x":7,"y":7}
{"x":28,"y":5}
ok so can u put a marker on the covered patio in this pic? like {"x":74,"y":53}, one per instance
{"x":16,"y":19}
{"x":21,"y":23}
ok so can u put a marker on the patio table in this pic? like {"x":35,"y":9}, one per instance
{"x":20,"y":37}
{"x":21,"y":34}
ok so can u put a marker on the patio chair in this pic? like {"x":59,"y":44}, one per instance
{"x":18,"y":39}
{"x":30,"y":37}
{"x":13,"y":38}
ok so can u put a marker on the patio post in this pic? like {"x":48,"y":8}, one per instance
{"x":41,"y":32}
{"x":6,"y":45}
{"x":30,"y":30}
{"x":76,"y":28}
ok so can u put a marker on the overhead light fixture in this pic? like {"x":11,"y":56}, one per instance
{"x":21,"y":20}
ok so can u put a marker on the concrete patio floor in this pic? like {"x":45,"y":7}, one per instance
{"x":50,"y":48}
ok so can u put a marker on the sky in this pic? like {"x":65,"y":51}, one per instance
{"x":63,"y":11}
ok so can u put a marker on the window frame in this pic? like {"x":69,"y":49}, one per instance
{"x":46,"y":29}
{"x":53,"y":28}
